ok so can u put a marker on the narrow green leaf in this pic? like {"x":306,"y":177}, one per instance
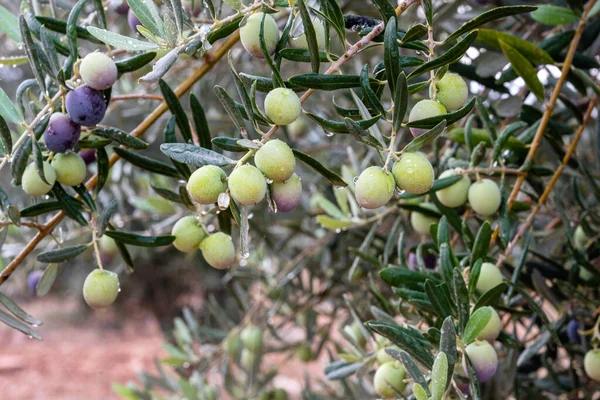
{"x":488,"y":16}
{"x":451,"y":56}
{"x":386,"y":9}
{"x":105,"y":216}
{"x":136,"y":62}
{"x":229,"y":144}
{"x":9,"y":24}
{"x":121,"y":137}
{"x":47,"y":280}
{"x":177,"y":110}
{"x":439,"y":376}
{"x":147,"y":163}
{"x":400,"y":101}
{"x":391,"y":53}
{"x":481,"y":247}
{"x":425,"y":138}
{"x":18,"y":311}
{"x":311,"y":37}
{"x":69,"y":204}
{"x":18,"y":325}
{"x":103,"y":166}
{"x":230,"y":106}
{"x":5,"y":136}
{"x":450,"y":118}
{"x":524,"y":69}
{"x":369,"y":95}
{"x":461,"y":296}
{"x":340,"y":127}
{"x":200,"y":122}
{"x":477,"y":322}
{"x":327,"y":82}
{"x":530,"y":51}
{"x":413,"y":370}
{"x":194,"y":155}
{"x":415,"y":32}
{"x":119,"y":41}
{"x":147,"y":13}
{"x":400,"y":338}
{"x":32,"y":53}
{"x":361,"y":134}
{"x":448,"y":346}
{"x":320,"y":168}
{"x":63,"y":254}
{"x":554,"y":15}
{"x":140,"y":240}
{"x":303,"y":55}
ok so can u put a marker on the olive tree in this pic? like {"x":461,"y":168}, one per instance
{"x":413,"y":187}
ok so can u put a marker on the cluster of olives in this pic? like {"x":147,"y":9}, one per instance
{"x":450,"y":93}
{"x":484,"y":198}
{"x":412,"y":173}
{"x":85,"y":106}
{"x":247,"y":185}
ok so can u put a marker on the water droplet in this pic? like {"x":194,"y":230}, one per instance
{"x":400,"y":191}
{"x":329,"y":134}
{"x":340,"y":187}
{"x":243,"y":263}
{"x":355,"y":179}
{"x":269,"y":181}
{"x":119,"y":290}
{"x":30,"y":336}
{"x":245,"y":255}
{"x":338,"y":230}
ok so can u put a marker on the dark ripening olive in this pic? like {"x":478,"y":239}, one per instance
{"x":62,"y":133}
{"x":86,"y":106}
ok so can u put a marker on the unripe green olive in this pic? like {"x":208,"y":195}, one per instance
{"x":485,"y":197}
{"x":358,"y":334}
{"x":413,"y":173}
{"x":489,"y":277}
{"x":33,"y":184}
{"x":218,"y":250}
{"x":420,"y":222}
{"x":70,"y":168}
{"x":452,"y":91}
{"x":591,"y":364}
{"x":249,"y":34}
{"x":383,"y":357}
{"x":252,"y":338}
{"x":248,"y":359}
{"x":492,"y":329}
{"x":275,"y":160}
{"x":389,"y":380}
{"x":101,"y":288}
{"x":247,"y":185}
{"x":188,"y":234}
{"x":374,"y":188}
{"x":98,"y":71}
{"x":484,"y":359}
{"x":580,"y":238}
{"x":108,"y":245}
{"x":232,"y":345}
{"x":300,"y":42}
{"x":304,"y":352}
{"x":454,"y":195}
{"x":282,"y":106}
{"x":206,"y":184}
{"x":424,"y":109}
{"x":287,"y":195}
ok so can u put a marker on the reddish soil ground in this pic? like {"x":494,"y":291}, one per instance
{"x":79,"y":357}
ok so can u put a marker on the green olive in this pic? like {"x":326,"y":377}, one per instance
{"x":420,"y":222}
{"x":247,"y":185}
{"x":591,"y":364}
{"x":249,"y":34}
{"x":413,"y":173}
{"x":389,"y":380}
{"x":485,"y":197}
{"x":452,"y":91}
{"x":206,"y":184}
{"x":188,"y":234}
{"x":218,"y":250}
{"x":70,"y":168}
{"x":275,"y":160}
{"x":374,"y":188}
{"x":33,"y":184}
{"x":454,"y":195}
{"x":489,"y":277}
{"x":282,"y":106}
{"x":101,"y":288}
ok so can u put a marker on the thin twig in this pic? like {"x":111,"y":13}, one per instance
{"x":551,"y":184}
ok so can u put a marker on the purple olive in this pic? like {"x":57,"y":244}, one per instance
{"x":86,"y":106}
{"x":62,"y":133}
{"x":33,"y":279}
{"x":572,"y":331}
{"x":429,"y":260}
{"x":120,"y":6}
{"x":133,"y":21}
{"x":287,"y":194}
{"x":88,"y":155}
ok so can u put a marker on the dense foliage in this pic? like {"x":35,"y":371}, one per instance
{"x":408,"y":192}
